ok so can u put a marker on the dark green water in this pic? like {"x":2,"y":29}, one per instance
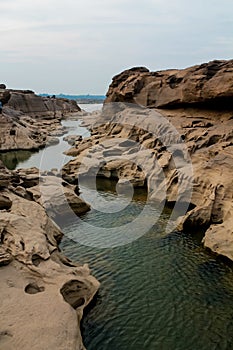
{"x":159,"y":292}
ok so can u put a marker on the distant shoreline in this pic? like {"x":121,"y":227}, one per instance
{"x":79,"y":98}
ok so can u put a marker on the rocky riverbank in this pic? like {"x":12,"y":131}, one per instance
{"x":170,"y":132}
{"x":29,"y":121}
{"x":43,"y":294}
{"x":176,"y":115}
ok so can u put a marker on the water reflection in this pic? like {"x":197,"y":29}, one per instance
{"x":48,"y":157}
{"x":13,"y":158}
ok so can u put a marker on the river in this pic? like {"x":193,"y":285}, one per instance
{"x":160,"y":292}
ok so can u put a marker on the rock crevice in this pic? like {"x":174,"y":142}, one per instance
{"x":197,"y":103}
{"x":33,"y":272}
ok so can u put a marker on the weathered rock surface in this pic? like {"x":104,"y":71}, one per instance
{"x":205,"y":132}
{"x":58,"y":197}
{"x":20,"y":132}
{"x":72,"y":139}
{"x":43,"y":294}
{"x":209,"y":84}
{"x":5,"y":176}
{"x":37,"y":106}
{"x":204,"y":96}
{"x":29,"y":121}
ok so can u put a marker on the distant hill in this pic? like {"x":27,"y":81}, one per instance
{"x":81,"y":98}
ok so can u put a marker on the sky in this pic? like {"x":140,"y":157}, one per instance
{"x":77,"y":46}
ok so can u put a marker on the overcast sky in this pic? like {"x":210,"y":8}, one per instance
{"x":77,"y":46}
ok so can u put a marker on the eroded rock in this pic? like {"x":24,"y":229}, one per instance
{"x":29,"y":121}
{"x":33,"y":272}
{"x":209,"y":84}
{"x":29,"y":103}
{"x":5,"y":202}
{"x":133,"y":144}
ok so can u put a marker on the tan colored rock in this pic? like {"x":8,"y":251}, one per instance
{"x":137,"y":136}
{"x":209,"y":84}
{"x":37,"y":282}
{"x":49,"y":189}
{"x":59,"y":198}
{"x":29,"y":122}
{"x":18,"y":133}
{"x":5,"y":176}
{"x":205,"y":92}
{"x":72,"y":139}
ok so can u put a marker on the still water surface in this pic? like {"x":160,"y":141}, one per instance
{"x":48,"y":157}
{"x":52,"y":156}
{"x":159,"y":292}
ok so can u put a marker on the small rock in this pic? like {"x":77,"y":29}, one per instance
{"x":5,"y":258}
{"x":5,"y":202}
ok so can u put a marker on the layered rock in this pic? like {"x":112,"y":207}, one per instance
{"x":21,"y":132}
{"x":29,"y":121}
{"x":147,"y":146}
{"x":205,"y":94}
{"x":209,"y":84}
{"x":29,"y":103}
{"x":43,"y":294}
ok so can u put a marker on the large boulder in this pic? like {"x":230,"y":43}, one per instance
{"x":29,"y":121}
{"x":59,"y":198}
{"x":29,"y":103}
{"x":209,"y":84}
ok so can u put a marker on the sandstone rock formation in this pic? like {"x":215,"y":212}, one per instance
{"x":29,"y":121}
{"x":43,"y":294}
{"x":21,"y":132}
{"x":29,"y":103}
{"x":208,"y":84}
{"x":146,"y":146}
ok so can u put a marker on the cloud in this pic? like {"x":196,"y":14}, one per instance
{"x":87,"y":42}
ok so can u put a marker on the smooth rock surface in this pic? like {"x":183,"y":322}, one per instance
{"x":36,"y":279}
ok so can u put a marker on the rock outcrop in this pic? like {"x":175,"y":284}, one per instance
{"x":4,"y":94}
{"x":21,"y":132}
{"x":209,"y":84}
{"x":43,"y":294}
{"x":195,"y":113}
{"x":28,"y":102}
{"x":29,"y":122}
